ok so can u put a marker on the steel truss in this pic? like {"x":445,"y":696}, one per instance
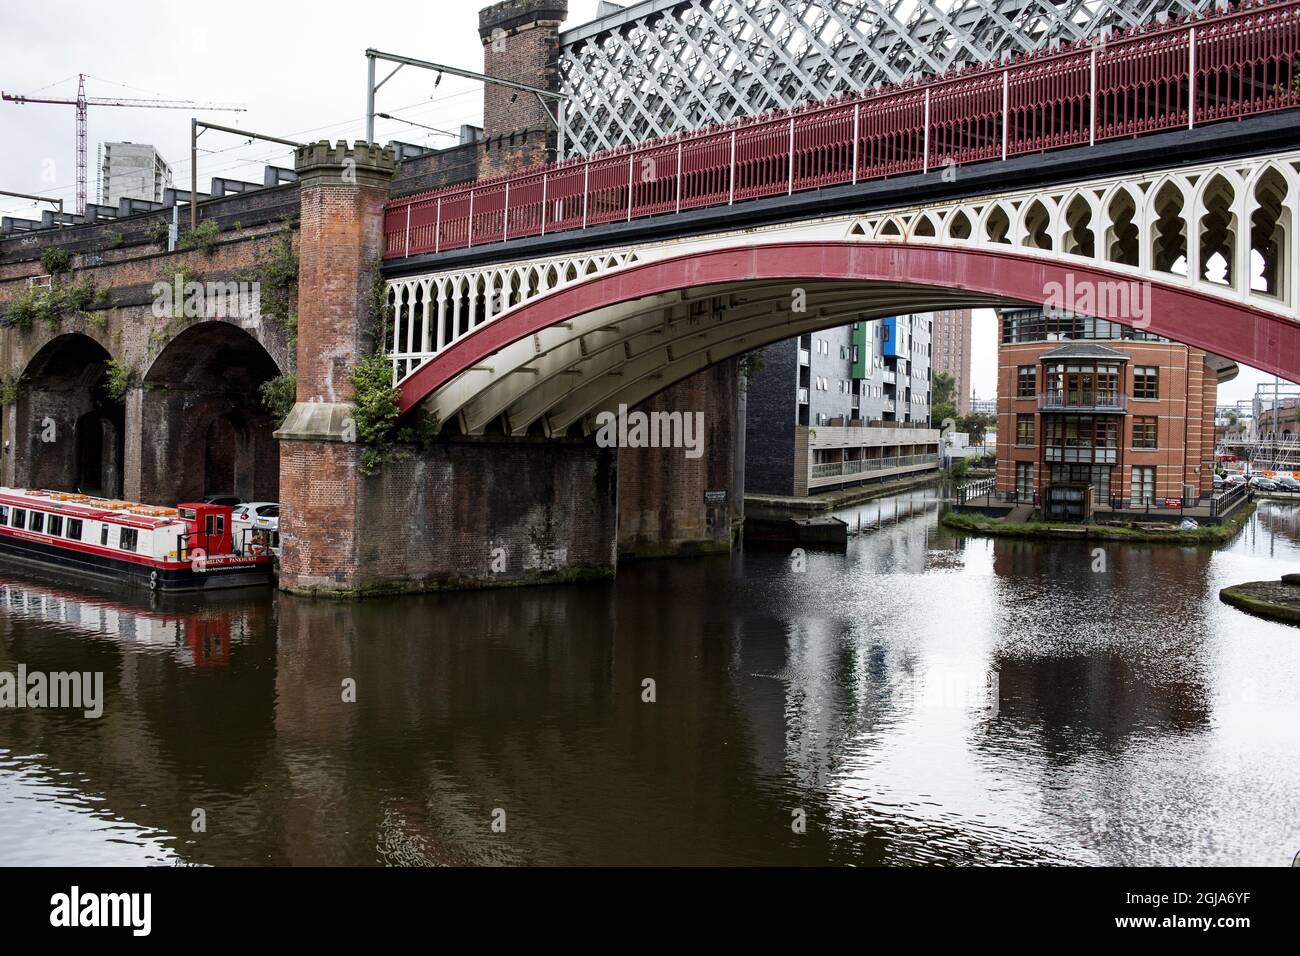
{"x":665,"y":66}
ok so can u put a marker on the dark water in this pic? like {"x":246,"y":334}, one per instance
{"x":922,"y":698}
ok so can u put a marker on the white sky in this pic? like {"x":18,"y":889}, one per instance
{"x":298,"y":68}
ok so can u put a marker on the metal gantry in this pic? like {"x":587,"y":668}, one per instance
{"x":665,"y":66}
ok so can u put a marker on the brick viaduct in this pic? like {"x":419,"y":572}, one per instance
{"x":103,"y":395}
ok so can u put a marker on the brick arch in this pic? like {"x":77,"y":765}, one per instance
{"x":203,"y":426}
{"x":67,"y":432}
{"x":985,"y":275}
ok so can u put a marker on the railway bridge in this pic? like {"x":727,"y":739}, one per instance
{"x":838,"y":163}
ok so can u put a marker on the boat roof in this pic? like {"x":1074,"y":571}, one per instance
{"x":132,"y":514}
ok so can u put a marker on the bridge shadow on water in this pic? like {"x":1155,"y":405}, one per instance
{"x":919,"y":697}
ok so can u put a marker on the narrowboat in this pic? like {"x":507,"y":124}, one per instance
{"x":192,"y":547}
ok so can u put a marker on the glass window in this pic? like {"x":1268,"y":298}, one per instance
{"x":127,"y":541}
{"x":103,"y":535}
{"x":4,"y":514}
{"x":20,"y":518}
{"x":1144,"y":432}
{"x":74,"y":529}
{"x":1146,"y":381}
{"x":1025,"y":480}
{"x":37,"y":522}
{"x":56,"y":525}
{"x":1142,"y":489}
{"x":1024,"y":429}
{"x":1026,"y":381}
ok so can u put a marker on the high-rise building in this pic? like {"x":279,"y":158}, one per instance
{"x":1092,"y":403}
{"x":841,"y":406}
{"x":131,"y":171}
{"x":951,"y":346}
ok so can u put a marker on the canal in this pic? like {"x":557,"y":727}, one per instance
{"x":919,"y":698}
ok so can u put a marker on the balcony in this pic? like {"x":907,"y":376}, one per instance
{"x":868,"y":466}
{"x":803,"y":356}
{"x":803,"y":396}
{"x":1081,"y":454}
{"x":1105,"y":401}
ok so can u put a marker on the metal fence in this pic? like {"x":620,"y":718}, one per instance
{"x":864,"y":466}
{"x":1160,"y":77}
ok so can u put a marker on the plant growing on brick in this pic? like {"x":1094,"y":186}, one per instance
{"x":56,"y":260}
{"x":9,"y":385}
{"x":279,"y":277}
{"x":117,"y":380}
{"x":751,"y":366}
{"x":278,"y":395}
{"x":37,"y":304}
{"x":202,"y":238}
{"x":113,"y":240}
{"x":376,"y":411}
{"x":157,"y":230}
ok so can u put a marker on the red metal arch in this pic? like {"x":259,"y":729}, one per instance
{"x":1235,"y":330}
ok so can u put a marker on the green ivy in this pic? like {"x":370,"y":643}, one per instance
{"x":56,"y":260}
{"x":117,"y":381}
{"x":9,"y":389}
{"x":751,"y":366}
{"x":278,"y":274}
{"x":376,"y":399}
{"x":157,"y":230}
{"x":203,"y":238}
{"x":278,"y":395}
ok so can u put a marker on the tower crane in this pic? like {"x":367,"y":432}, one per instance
{"x":82,"y":102}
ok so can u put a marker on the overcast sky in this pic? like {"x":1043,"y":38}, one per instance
{"x":299,"y":70}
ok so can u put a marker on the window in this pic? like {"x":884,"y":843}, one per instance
{"x":56,"y":525}
{"x":1024,"y":429}
{"x":20,"y":518}
{"x":1025,"y":480}
{"x":1144,"y":432}
{"x":127,"y":541}
{"x":4,"y":514}
{"x":74,"y":529}
{"x":1142,"y":490}
{"x":1146,"y":381}
{"x":37,"y":522}
{"x":1026,"y":381}
{"x":103,"y":535}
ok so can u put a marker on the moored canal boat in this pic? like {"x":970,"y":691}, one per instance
{"x":192,"y":547}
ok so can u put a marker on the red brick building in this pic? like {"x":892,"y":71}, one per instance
{"x":1083,"y":401}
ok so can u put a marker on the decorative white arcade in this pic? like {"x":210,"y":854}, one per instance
{"x":1227,"y":231}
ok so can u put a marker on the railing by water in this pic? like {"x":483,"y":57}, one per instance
{"x":1177,"y":75}
{"x":862,"y":466}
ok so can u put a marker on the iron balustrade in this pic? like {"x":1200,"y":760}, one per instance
{"x":1186,"y":72}
{"x":838,"y":469}
{"x":1082,"y":454}
{"x":1105,"y":399}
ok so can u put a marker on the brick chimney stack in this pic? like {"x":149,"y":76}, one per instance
{"x":521,"y":42}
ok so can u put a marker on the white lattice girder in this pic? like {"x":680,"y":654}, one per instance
{"x":1136,"y":228}
{"x":665,"y":66}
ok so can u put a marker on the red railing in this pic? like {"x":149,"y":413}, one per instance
{"x":1177,"y":75}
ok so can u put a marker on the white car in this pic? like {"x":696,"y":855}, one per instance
{"x":261,"y":521}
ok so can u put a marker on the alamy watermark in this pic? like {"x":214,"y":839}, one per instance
{"x":638,"y":429}
{"x":78,"y":690}
{"x":1125,"y":301}
{"x":206,"y":300}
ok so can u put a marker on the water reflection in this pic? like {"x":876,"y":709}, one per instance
{"x":921,"y":697}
